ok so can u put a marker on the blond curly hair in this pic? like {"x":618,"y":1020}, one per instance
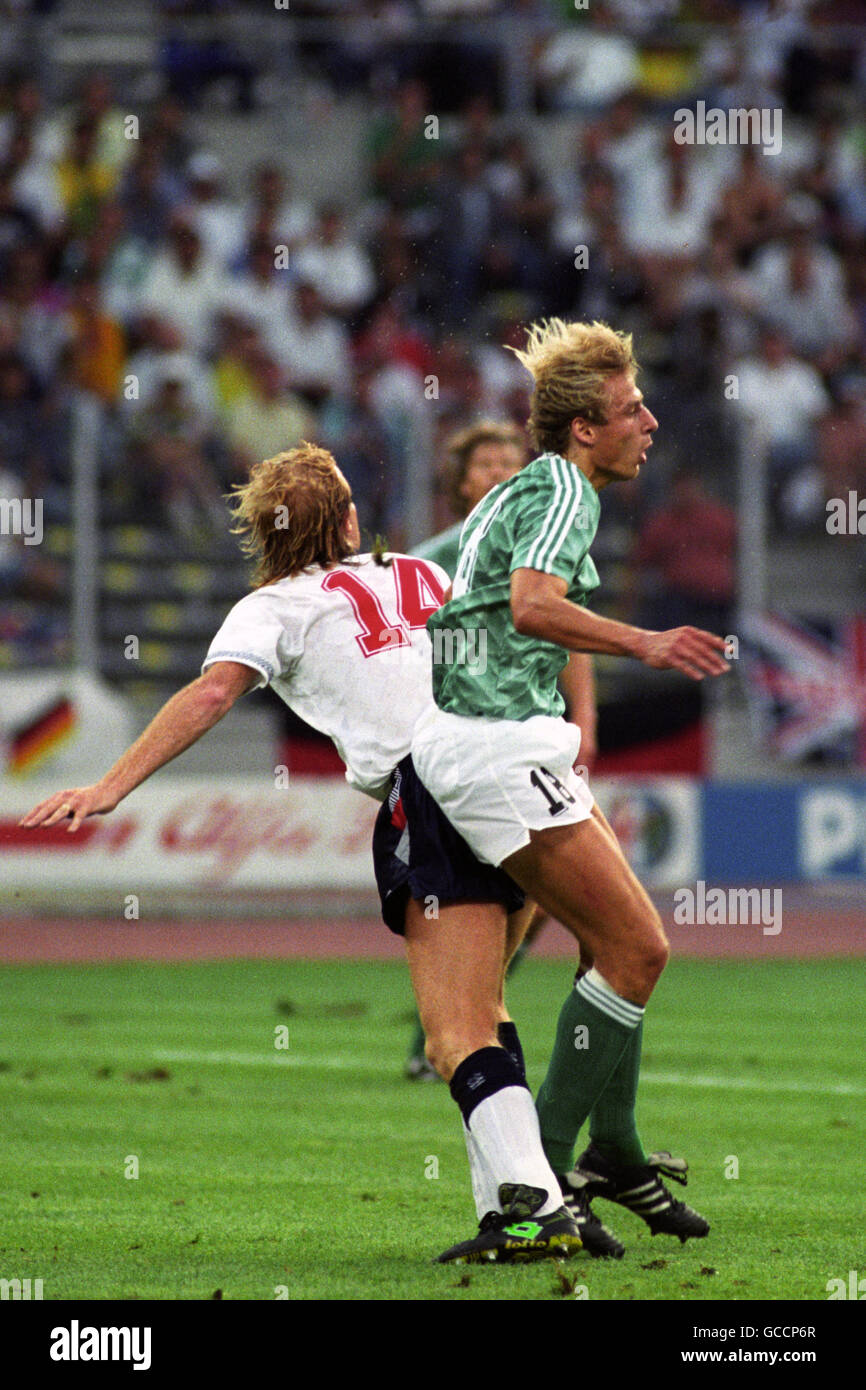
{"x":292,"y":513}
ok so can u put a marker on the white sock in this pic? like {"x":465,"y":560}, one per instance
{"x":505,"y":1130}
{"x":485,"y":1189}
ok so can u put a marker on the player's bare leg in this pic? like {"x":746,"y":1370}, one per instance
{"x":532,"y":918}
{"x":594,"y":892}
{"x":597,"y":1239}
{"x":455,"y":962}
{"x":580,"y":877}
{"x":519,"y":925}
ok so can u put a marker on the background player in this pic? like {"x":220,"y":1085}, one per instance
{"x":341,"y":638}
{"x":498,"y":758}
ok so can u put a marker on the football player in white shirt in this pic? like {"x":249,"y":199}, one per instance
{"x":342,"y":639}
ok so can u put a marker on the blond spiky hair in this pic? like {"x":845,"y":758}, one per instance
{"x":292,"y":513}
{"x":570,"y":364}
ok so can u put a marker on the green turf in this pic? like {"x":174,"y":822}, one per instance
{"x":306,"y":1169}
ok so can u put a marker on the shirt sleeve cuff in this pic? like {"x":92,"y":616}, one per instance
{"x":258,"y":663}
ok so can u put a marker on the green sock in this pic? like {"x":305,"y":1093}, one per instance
{"x":612,"y":1125}
{"x":419,"y":1041}
{"x":516,"y":959}
{"x":594,"y":1029}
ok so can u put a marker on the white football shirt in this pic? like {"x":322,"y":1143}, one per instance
{"x":347,"y":649}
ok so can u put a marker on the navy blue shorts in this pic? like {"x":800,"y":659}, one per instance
{"x":417,"y":853}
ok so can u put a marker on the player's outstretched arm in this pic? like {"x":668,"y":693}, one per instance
{"x":540,"y":608}
{"x":180,"y":722}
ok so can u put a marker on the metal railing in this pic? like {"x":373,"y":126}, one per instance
{"x":85,"y":587}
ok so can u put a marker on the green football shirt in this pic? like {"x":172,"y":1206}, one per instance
{"x":544,"y":518}
{"x":442,"y":549}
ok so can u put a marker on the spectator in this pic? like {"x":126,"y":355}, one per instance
{"x":172,"y":478}
{"x":406,"y":162}
{"x":157,"y":350}
{"x":468,"y":221}
{"x":586,"y":65}
{"x":688,"y":547}
{"x":628,"y":141}
{"x":524,"y":202}
{"x":192,"y":64}
{"x":314,"y":347}
{"x":24,"y":114}
{"x":96,"y":108}
{"x":389,"y":337}
{"x":352,"y":428}
{"x":260,"y":293}
{"x":273,"y":211}
{"x":97,"y":342}
{"x":855,"y":285}
{"x":751,"y":204}
{"x":33,"y":182}
{"x":17,"y":225}
{"x":613,"y":285}
{"x":800,"y":291}
{"x":19,"y":435}
{"x":505,"y":383}
{"x":337,"y":265}
{"x":218,"y":220}
{"x":852,"y":199}
{"x":147,"y":194}
{"x":84,"y":183}
{"x":667,"y":208}
{"x":842,"y":440}
{"x":233,"y":372}
{"x":51,"y":469}
{"x":168,"y":128}
{"x":122,"y":260}
{"x":719,"y":283}
{"x":35,"y":307}
{"x":184,"y":286}
{"x":268,"y":421}
{"x":405,"y":275}
{"x":786,"y":399}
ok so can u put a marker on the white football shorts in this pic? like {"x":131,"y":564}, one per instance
{"x":497,"y":779}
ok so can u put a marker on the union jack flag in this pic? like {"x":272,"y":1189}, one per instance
{"x":806,"y":683}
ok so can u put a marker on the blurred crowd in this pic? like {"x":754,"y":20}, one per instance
{"x":219,"y":315}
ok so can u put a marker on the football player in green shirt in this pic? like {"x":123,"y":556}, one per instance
{"x":498,"y":758}
{"x":479,"y":457}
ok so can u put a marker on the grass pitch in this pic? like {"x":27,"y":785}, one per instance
{"x":163,"y":1144}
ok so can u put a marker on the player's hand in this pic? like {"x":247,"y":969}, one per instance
{"x":688,"y":649}
{"x":75,"y":804}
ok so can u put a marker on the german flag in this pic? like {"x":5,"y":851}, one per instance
{"x":33,"y":742}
